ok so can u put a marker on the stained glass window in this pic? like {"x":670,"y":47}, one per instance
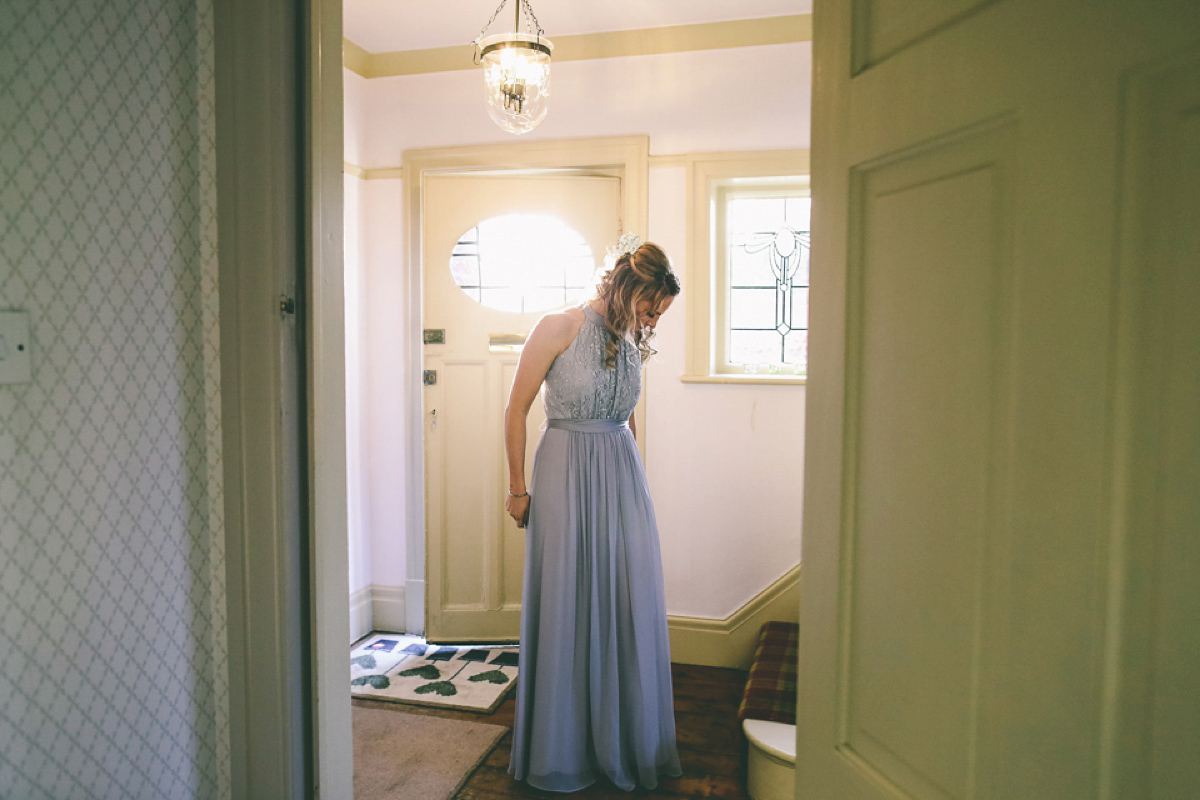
{"x":766,"y":246}
{"x":523,"y":263}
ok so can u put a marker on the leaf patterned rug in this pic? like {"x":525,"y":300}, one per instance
{"x":404,"y":669}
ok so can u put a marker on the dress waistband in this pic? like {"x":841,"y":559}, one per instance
{"x":589,"y":425}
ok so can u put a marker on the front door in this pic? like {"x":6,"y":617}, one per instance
{"x":1001,"y":510}
{"x":499,"y":252}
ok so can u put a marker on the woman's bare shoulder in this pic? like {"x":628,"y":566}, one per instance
{"x":558,"y":329}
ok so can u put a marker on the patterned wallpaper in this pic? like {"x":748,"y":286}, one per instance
{"x":113,"y":678}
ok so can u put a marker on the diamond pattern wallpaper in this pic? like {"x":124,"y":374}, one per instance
{"x":113,"y":679}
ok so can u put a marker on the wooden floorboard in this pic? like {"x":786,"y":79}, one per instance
{"x":711,"y":745}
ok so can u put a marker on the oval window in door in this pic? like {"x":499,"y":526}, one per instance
{"x":523,"y":263}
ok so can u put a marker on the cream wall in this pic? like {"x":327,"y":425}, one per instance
{"x":746,"y":98}
{"x":728,"y":495}
{"x":356,"y":451}
{"x":386,"y":325}
{"x":725,"y":463}
{"x":376,"y":438}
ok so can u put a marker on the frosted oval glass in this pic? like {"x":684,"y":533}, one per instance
{"x":523,"y":263}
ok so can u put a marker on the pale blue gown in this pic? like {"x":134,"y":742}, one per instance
{"x":594,"y":689}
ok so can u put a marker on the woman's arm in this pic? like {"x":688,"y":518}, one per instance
{"x":633,"y":424}
{"x":549,"y":337}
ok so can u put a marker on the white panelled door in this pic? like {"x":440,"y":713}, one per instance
{"x":1002,"y":513}
{"x":498,"y":253}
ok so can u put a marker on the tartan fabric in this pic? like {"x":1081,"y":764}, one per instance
{"x":771,"y":687}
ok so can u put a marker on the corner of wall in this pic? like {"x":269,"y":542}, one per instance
{"x":731,"y":642}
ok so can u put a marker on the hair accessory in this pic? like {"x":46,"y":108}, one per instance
{"x":626,"y":245}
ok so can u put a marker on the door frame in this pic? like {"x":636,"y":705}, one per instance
{"x":278,"y":67}
{"x":631,"y":154}
{"x":323,"y":232}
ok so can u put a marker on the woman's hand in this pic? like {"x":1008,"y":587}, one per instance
{"x":548,"y":338}
{"x":518,"y":509}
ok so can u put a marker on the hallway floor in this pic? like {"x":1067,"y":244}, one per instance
{"x":711,"y":746}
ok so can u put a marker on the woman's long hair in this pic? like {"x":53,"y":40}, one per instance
{"x":644,"y":274}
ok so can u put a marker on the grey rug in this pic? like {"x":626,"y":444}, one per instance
{"x":402,"y":756}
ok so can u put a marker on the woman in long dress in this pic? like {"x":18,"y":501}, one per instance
{"x":594,"y":689}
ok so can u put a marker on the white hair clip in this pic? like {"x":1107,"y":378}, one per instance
{"x":627,"y":244}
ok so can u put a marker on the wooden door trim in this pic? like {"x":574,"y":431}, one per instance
{"x":325,"y":356}
{"x":630,"y":153}
{"x":280,"y":231}
{"x":260,"y":168}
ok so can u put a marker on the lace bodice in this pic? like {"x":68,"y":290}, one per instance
{"x":579,"y":387}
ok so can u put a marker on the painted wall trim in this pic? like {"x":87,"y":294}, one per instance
{"x":262,"y":220}
{"x":324,"y":303}
{"x":377,"y":607}
{"x":388,"y":611}
{"x":730,"y":642}
{"x":665,"y":161}
{"x":360,"y":613}
{"x":414,"y":606}
{"x":355,"y":58}
{"x":589,"y":46}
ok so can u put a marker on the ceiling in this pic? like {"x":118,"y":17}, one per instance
{"x":384,"y":26}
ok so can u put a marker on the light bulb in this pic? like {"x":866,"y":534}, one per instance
{"x":516,"y":79}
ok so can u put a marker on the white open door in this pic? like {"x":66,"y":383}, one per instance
{"x":487,"y":281}
{"x":1001,"y":516}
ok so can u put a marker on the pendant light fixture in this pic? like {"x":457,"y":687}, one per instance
{"x":516,"y":71}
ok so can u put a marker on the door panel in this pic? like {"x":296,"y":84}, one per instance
{"x":924,"y":485}
{"x":1156,"y":735}
{"x":475,"y":553}
{"x":885,"y":27}
{"x":465,"y":492}
{"x":975,"y":619}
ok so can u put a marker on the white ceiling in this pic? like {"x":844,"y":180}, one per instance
{"x":384,"y":26}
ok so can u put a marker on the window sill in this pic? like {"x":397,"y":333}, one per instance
{"x":755,"y":380}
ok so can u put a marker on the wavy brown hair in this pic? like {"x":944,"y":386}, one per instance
{"x":644,"y":274}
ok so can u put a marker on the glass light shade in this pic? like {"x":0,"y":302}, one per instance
{"x":516,"y":79}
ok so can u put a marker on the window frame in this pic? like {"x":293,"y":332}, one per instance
{"x":708,"y":175}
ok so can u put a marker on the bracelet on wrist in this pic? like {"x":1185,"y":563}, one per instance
{"x":522,"y":494}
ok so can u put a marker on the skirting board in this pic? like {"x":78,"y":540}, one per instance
{"x":387,"y":608}
{"x":728,"y":642}
{"x":360,"y":613}
{"x":731,"y":642}
{"x":377,"y":608}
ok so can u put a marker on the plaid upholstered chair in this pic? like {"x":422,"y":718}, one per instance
{"x":768,"y":713}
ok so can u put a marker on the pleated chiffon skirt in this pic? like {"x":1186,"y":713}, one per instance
{"x":594,"y":690}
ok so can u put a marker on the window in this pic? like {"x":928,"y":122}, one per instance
{"x":495,"y":266}
{"x":762,"y":277}
{"x":748,"y":268}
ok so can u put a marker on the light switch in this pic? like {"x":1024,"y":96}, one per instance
{"x":16,"y":366}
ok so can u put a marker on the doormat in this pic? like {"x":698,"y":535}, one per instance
{"x":404,"y":669}
{"x":399,"y":756}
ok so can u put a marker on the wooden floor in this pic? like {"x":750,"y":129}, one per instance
{"x":711,"y":746}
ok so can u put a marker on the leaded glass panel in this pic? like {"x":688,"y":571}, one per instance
{"x":767,"y":254}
